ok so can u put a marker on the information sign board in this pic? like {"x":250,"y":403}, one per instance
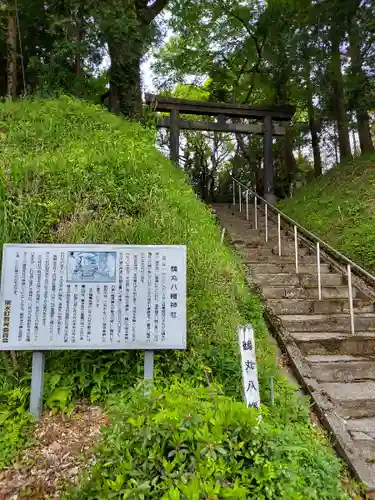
{"x":93,"y":297}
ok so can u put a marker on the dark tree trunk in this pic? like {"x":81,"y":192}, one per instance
{"x":79,"y":39}
{"x":364,"y":132}
{"x":125,"y":82}
{"x":12,"y":55}
{"x":314,"y":131}
{"x":290,"y":161}
{"x":126,"y":50}
{"x":338,"y":98}
{"x":359,"y":94}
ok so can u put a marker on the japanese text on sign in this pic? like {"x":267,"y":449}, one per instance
{"x":249,"y":366}
{"x":93,"y":296}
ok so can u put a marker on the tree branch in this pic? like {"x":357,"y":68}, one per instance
{"x":154,"y":9}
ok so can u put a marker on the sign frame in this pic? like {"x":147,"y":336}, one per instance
{"x":122,"y":345}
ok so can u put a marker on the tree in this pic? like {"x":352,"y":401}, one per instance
{"x":359,"y":81}
{"x":128,"y":29}
{"x":11,"y":42}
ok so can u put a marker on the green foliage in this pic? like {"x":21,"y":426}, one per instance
{"x":189,"y":442}
{"x":71,"y":172}
{"x":15,"y":421}
{"x":339,"y":208}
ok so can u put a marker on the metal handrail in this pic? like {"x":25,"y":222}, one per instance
{"x":310,"y":234}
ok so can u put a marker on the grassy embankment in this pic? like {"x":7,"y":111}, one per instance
{"x":339,"y":207}
{"x":71,"y":172}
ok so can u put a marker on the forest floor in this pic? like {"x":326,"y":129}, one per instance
{"x":59,"y":455}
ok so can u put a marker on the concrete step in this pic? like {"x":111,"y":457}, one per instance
{"x":299,"y":280}
{"x":362,"y":431}
{"x":355,"y":400}
{"x":264,"y":250}
{"x":288,"y":267}
{"x":310,"y":306}
{"x":328,"y":343}
{"x":293,"y":292}
{"x":254,"y":256}
{"x":327,"y":323}
{"x":341,"y":368}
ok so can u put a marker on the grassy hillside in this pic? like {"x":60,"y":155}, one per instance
{"x":71,"y":172}
{"x":340,"y":208}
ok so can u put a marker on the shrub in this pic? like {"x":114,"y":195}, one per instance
{"x":191,"y":443}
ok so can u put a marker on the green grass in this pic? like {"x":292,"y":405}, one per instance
{"x":73,"y":173}
{"x":339,"y":207}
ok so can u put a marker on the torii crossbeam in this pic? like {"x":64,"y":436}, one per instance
{"x":226,"y":114}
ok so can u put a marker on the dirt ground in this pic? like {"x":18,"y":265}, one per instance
{"x":61,"y":453}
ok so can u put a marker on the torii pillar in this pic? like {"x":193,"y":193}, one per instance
{"x":174,"y":138}
{"x":268,"y":165}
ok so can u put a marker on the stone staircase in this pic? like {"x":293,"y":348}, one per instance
{"x":336,"y":367}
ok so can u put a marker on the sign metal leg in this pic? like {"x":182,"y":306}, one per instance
{"x":37,"y":384}
{"x":148,"y":370}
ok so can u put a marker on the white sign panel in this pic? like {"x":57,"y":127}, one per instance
{"x":93,"y":297}
{"x":249,"y":366}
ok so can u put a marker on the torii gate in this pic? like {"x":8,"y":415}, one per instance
{"x":266,"y":115}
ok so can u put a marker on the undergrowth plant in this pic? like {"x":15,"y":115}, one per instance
{"x":189,"y":442}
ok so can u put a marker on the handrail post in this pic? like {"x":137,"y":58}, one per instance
{"x":247,"y":205}
{"x":279,"y":232}
{"x":318,"y":267}
{"x":296,"y":247}
{"x":240,"y":197}
{"x":350,"y":292}
{"x":302,"y":229}
{"x":266,"y":220}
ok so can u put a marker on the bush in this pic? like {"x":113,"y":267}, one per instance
{"x":192,"y":443}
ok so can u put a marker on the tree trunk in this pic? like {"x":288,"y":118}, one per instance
{"x":338,"y":97}
{"x":314,"y":131}
{"x":12,"y":55}
{"x":125,"y":82}
{"x":290,"y":161}
{"x":359,"y":94}
{"x":79,"y":38}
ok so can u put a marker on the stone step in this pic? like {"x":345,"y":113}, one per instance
{"x":311,"y":306}
{"x":362,"y":431}
{"x":299,"y":280}
{"x":288,"y":267}
{"x":328,"y":343}
{"x":264,"y":250}
{"x":327,"y":323}
{"x":256,"y":257}
{"x":292,"y":292}
{"x":354,"y":400}
{"x":341,"y":368}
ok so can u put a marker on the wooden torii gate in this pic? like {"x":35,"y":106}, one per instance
{"x":226,"y":115}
